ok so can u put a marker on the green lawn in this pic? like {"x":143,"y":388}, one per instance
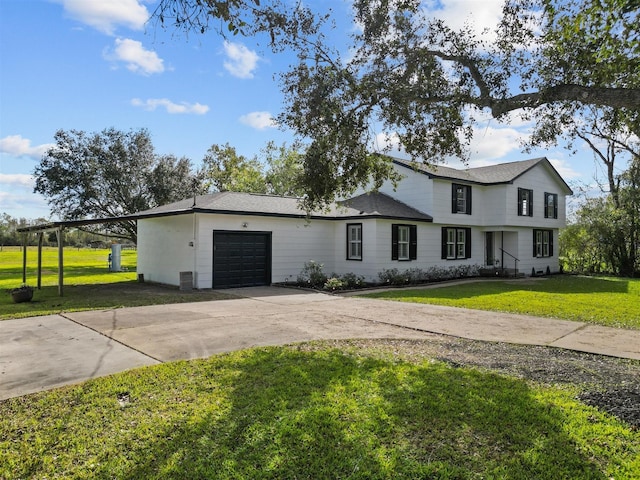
{"x":88,"y":283}
{"x":605,"y":301}
{"x":291,"y":412}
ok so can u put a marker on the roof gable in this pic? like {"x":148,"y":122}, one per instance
{"x":489,"y":175}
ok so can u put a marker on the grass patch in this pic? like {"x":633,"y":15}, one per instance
{"x":88,"y":283}
{"x":292,"y":413}
{"x":611,"y":302}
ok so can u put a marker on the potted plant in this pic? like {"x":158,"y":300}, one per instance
{"x":22,"y":294}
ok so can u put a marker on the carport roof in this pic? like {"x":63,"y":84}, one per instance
{"x":368,"y":205}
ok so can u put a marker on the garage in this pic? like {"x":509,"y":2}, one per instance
{"x":241,"y":259}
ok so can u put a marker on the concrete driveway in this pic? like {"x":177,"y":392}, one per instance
{"x":44,"y":352}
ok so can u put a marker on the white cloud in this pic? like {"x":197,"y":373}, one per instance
{"x":106,"y":15}
{"x":241,"y":62}
{"x":564,"y":169}
{"x":259,"y":120}
{"x":492,"y":143}
{"x":480,"y":15}
{"x":136,"y":57}
{"x":17,"y":179}
{"x":174,"y":108}
{"x":17,"y":146}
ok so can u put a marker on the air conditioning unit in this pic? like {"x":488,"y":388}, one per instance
{"x":186,"y":281}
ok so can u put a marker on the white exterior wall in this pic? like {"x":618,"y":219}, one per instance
{"x":293,"y":242}
{"x":164,"y":249}
{"x":540,"y":182}
{"x":414,"y":189}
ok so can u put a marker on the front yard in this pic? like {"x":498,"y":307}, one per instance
{"x":613,"y":302}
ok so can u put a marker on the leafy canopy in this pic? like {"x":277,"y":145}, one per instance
{"x":109,"y":174}
{"x":418,"y":82}
{"x":277,"y":173}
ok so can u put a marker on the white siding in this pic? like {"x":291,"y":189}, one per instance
{"x":538,"y":180}
{"x":415,"y":189}
{"x":163,"y":248}
{"x":293,"y":242}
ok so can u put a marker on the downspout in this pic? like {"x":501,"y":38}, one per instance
{"x":195,"y":252}
{"x":502,"y":250}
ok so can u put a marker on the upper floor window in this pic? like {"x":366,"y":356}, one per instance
{"x":404,"y":242}
{"x":456,"y":243}
{"x":460,"y":198}
{"x":525,"y":202}
{"x":550,"y":205}
{"x":354,"y":241}
{"x":543,"y":243}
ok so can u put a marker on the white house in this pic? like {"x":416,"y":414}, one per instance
{"x":505,"y":215}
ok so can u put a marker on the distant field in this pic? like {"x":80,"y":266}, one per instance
{"x":81,"y":266}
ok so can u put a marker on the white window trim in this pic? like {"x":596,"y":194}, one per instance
{"x":354,"y":242}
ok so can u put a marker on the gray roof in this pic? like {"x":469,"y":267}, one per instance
{"x":368,"y":205}
{"x":489,"y":175}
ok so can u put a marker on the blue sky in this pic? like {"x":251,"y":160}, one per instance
{"x":92,"y":64}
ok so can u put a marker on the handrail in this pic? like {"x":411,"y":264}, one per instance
{"x":504,"y":251}
{"x":515,"y":258}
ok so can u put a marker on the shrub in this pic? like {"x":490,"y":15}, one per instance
{"x":411,"y":276}
{"x":312,"y":274}
{"x":333,"y":283}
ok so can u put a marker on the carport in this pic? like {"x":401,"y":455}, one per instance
{"x":59,"y":228}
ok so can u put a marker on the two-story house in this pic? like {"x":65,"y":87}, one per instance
{"x":505,"y":216}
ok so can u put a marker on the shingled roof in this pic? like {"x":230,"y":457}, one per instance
{"x":368,"y":205}
{"x":489,"y":175}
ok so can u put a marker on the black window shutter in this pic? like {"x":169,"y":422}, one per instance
{"x":519,"y":203}
{"x":394,"y":242}
{"x":454,"y":198}
{"x":546,"y":205}
{"x":551,"y":243}
{"x":531,"y":203}
{"x":413,"y":242}
{"x":444,"y":243}
{"x":535,"y":250}
{"x":467,"y":243}
{"x":555,"y":206}
{"x":469,"y":200}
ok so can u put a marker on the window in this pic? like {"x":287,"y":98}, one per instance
{"x":404,"y":242}
{"x":543,"y":243}
{"x":550,"y":205}
{"x":456,"y":243}
{"x":460,"y":198}
{"x":525,"y":202}
{"x":354,"y":241}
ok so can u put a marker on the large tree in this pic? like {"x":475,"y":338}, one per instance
{"x":277,"y":171}
{"x":109,"y":174}
{"x":416,"y":79}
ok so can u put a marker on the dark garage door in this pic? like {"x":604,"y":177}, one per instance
{"x":241,"y":259}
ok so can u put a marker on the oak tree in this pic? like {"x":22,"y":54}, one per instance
{"x":110,"y":174}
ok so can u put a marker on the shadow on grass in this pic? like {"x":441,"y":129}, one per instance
{"x":101,"y":296}
{"x":278,"y":413}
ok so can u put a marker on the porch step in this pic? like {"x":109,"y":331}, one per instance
{"x":500,"y":272}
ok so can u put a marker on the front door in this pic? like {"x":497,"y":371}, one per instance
{"x":489,"y":256}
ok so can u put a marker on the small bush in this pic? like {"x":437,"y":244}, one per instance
{"x":312,"y":274}
{"x":333,"y":283}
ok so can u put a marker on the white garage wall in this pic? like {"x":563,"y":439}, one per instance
{"x":163,"y":248}
{"x":293,"y":242}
